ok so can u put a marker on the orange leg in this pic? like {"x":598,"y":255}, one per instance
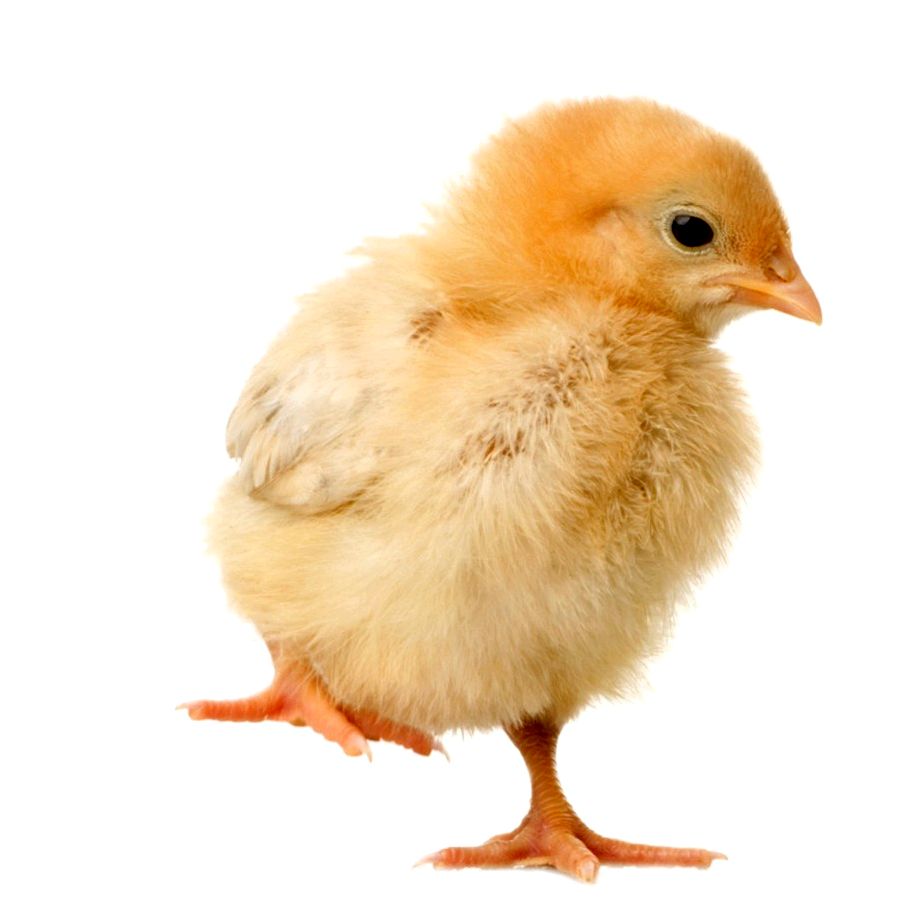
{"x":551,"y":833}
{"x":297,"y":695}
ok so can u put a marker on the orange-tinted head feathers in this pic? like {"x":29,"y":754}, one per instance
{"x":585,"y":195}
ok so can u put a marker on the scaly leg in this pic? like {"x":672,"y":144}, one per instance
{"x":551,"y":833}
{"x":297,"y":695}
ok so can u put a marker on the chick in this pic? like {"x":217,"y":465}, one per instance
{"x":478,"y":473}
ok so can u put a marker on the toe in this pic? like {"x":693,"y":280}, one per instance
{"x":254,"y":708}
{"x":377,"y":728}
{"x":334,"y":725}
{"x":569,"y":854}
{"x":491,"y":855}
{"x":619,"y":852}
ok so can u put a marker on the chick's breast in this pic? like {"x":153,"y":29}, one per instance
{"x":540,"y":492}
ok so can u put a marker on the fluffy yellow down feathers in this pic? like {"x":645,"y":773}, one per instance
{"x":478,"y":472}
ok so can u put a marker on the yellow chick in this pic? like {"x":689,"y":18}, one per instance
{"x":478,"y":472}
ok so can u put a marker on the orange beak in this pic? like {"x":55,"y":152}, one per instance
{"x":788,"y":291}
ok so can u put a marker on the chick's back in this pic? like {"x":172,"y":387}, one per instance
{"x":461,"y":520}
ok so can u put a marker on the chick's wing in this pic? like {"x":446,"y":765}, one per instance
{"x":308,"y":425}
{"x":297,"y":432}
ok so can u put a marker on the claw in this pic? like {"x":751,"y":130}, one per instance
{"x":587,"y":871}
{"x":427,"y":860}
{"x":357,"y":745}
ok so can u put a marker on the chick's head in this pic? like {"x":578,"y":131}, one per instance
{"x":631,"y":201}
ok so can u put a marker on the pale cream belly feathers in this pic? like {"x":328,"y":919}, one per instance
{"x":462,"y":525}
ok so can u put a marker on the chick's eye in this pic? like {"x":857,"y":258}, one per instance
{"x":691,"y":231}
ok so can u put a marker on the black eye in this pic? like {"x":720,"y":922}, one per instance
{"x":691,"y":231}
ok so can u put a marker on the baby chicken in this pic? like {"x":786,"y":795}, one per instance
{"x":478,"y":473}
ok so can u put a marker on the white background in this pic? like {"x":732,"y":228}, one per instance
{"x":173,"y":173}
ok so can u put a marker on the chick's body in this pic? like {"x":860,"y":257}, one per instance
{"x":478,"y":472}
{"x":534,"y":497}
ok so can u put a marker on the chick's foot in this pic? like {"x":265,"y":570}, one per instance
{"x":569,"y":846}
{"x":298,"y":696}
{"x":551,"y":834}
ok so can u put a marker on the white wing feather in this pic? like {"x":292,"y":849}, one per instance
{"x":305,"y":424}
{"x":297,"y":434}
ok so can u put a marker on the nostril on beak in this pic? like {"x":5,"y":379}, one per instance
{"x":782,"y":266}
